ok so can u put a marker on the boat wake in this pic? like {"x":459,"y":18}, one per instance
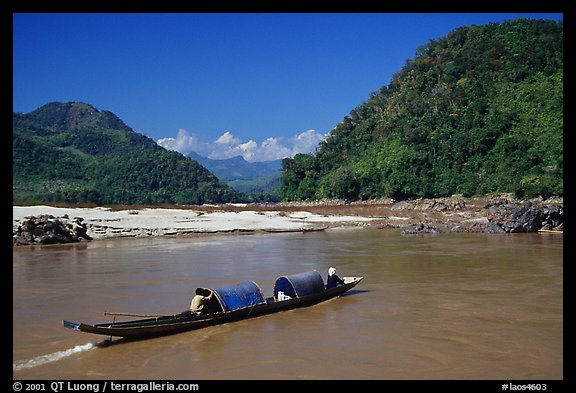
{"x":53,"y":357}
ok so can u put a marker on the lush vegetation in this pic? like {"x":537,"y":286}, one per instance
{"x":476,"y":112}
{"x":260,"y":189}
{"x":73,"y":153}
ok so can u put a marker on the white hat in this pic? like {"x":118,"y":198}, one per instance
{"x":331,"y":271}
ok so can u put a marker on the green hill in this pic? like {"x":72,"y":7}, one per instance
{"x":476,"y":112}
{"x":73,"y":153}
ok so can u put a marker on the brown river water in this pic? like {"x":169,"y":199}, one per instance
{"x":449,"y":306}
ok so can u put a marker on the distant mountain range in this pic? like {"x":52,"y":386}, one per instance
{"x":244,"y":176}
{"x":73,"y":153}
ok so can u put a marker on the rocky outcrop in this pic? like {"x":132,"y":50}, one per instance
{"x":500,"y":215}
{"x":47,"y":229}
{"x":524,"y":217}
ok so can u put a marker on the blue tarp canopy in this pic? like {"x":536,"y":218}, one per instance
{"x":238,"y":296}
{"x":299,"y":285}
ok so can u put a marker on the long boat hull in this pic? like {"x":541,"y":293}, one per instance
{"x":185,"y":321}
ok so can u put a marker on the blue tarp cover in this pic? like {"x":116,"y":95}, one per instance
{"x":299,"y":285}
{"x":238,"y":296}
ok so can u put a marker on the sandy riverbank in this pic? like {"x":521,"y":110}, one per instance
{"x":106,"y":222}
{"x":443,"y":214}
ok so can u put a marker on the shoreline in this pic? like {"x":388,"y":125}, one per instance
{"x":106,"y":223}
{"x":452,"y":214}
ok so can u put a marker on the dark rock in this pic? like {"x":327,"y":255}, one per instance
{"x":420,"y":228}
{"x":498,"y":202}
{"x":441,"y":206}
{"x":553,"y":218}
{"x":47,"y":229}
{"x":525,"y":218}
{"x":494,"y":228}
{"x":80,"y":228}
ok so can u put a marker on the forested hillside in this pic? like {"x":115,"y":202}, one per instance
{"x":478,"y":111}
{"x":71,"y":152}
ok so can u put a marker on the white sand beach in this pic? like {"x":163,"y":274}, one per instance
{"x":106,"y":223}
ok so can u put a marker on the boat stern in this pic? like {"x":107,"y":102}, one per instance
{"x":71,"y":325}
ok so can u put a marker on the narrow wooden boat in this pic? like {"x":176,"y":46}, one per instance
{"x":235,"y":302}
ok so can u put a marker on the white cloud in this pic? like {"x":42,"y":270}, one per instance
{"x":227,"y":139}
{"x":183,"y":142}
{"x":228,"y":146}
{"x":307,"y":141}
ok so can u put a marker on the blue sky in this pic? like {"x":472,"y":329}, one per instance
{"x":260,"y":85}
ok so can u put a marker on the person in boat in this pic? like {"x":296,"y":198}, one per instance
{"x":202,"y":301}
{"x":333,"y":279}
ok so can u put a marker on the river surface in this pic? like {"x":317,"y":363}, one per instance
{"x":450,"y":306}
